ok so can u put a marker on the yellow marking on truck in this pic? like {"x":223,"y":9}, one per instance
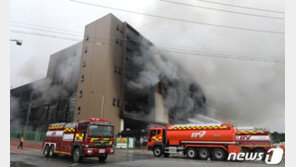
{"x":69,"y":130}
{"x":157,"y":138}
{"x":197,"y":127}
{"x":79,"y":136}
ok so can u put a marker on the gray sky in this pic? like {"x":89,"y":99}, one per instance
{"x":246,"y":92}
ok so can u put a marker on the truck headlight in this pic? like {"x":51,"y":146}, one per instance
{"x":86,"y":146}
{"x":89,"y":151}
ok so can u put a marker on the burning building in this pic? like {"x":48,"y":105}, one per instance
{"x":51,"y":99}
{"x":114,"y":73}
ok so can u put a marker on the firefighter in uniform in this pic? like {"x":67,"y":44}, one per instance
{"x":21,"y":143}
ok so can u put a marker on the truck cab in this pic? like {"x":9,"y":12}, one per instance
{"x":156,"y":136}
{"x":96,"y":138}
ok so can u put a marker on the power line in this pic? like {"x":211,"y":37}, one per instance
{"x":181,"y":20}
{"x":46,"y":30}
{"x":60,"y":29}
{"x":170,"y":47}
{"x":238,"y":6}
{"x":46,"y":35}
{"x":222,"y":10}
{"x":178,"y":51}
{"x":167,"y":47}
{"x":224,"y":56}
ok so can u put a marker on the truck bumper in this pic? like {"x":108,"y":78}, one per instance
{"x":92,"y":152}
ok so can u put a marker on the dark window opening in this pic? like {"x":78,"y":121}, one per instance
{"x":82,"y":78}
{"x":158,"y":132}
{"x":87,"y":37}
{"x":84,"y":63}
{"x":151,"y":134}
{"x":119,"y":28}
{"x":85,"y":50}
{"x":78,"y":110}
{"x":114,"y":102}
{"x":80,"y":93}
{"x":115,"y":69}
{"x":118,"y":102}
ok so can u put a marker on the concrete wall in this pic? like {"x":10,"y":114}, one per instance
{"x":101,"y":84}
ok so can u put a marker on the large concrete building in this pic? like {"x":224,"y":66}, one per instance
{"x":96,"y":73}
{"x":114,"y":73}
{"x":106,"y":67}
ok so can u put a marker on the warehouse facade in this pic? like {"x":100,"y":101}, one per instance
{"x":48,"y":100}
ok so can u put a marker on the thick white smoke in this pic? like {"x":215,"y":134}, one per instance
{"x":65,"y":75}
{"x":248,"y":93}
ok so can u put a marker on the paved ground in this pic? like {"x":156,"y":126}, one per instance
{"x":27,"y":146}
{"x":122,"y":158}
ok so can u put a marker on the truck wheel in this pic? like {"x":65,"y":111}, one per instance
{"x":191,"y":153}
{"x":203,"y":153}
{"x":76,"y":155}
{"x":51,"y":151}
{"x":246,"y":150}
{"x":157,"y":151}
{"x":46,"y":151}
{"x":260,"y":150}
{"x":218,"y":154}
{"x":102,"y":158}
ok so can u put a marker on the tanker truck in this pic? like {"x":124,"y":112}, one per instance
{"x":254,"y":140}
{"x":214,"y":141}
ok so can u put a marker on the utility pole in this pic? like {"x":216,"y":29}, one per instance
{"x":102,"y":103}
{"x":29,"y":111}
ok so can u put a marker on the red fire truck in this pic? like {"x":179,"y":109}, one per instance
{"x":253,"y":140}
{"x":87,"y":138}
{"x":213,"y":141}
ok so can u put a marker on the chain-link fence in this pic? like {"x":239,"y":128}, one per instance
{"x":28,"y":135}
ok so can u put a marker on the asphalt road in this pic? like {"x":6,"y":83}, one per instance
{"x":123,"y":158}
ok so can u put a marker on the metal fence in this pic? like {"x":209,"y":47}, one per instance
{"x":28,"y":135}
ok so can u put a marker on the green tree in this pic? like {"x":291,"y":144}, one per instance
{"x":277,"y":137}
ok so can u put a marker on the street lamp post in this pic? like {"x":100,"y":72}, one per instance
{"x":102,"y":103}
{"x":18,"y":42}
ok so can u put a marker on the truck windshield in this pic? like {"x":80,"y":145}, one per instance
{"x":100,"y":131}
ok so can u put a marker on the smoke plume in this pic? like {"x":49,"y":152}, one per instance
{"x":62,"y":77}
{"x":183,"y":96}
{"x":248,"y":93}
